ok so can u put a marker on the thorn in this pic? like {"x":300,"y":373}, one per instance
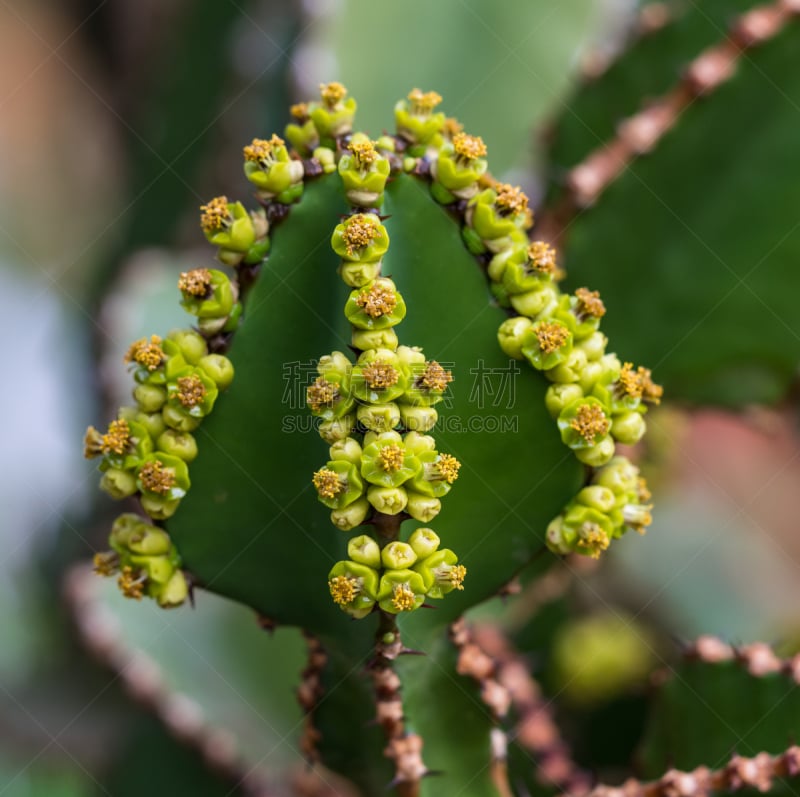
{"x":428,"y":606}
{"x":266,"y":623}
{"x":383,"y":218}
{"x":412,"y":652}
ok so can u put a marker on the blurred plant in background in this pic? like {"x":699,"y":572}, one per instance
{"x":118,"y":120}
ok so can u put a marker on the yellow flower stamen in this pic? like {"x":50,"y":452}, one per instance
{"x":344,"y":589}
{"x":215,"y":215}
{"x":390,"y":458}
{"x":378,"y":300}
{"x":191,"y":391}
{"x":195,"y":282}
{"x":92,"y":443}
{"x":542,"y":257}
{"x":448,"y":467}
{"x":360,"y":231}
{"x":422,"y":103}
{"x":551,"y":336}
{"x":434,"y":377}
{"x":593,"y":538}
{"x":379,"y":375}
{"x":457,"y":575}
{"x":468,"y":147}
{"x":299,"y":111}
{"x":327,"y":483}
{"x":131,"y":583}
{"x":106,"y":563}
{"x":364,"y":153}
{"x":322,"y":394}
{"x":511,"y":199}
{"x":332,"y":94}
{"x":630,"y":383}
{"x":452,"y":127}
{"x":262,"y":151}
{"x":403,"y":598}
{"x":651,"y":392}
{"x":149,"y":354}
{"x":642,"y":491}
{"x":590,"y":422}
{"x":118,"y":438}
{"x":156,"y":478}
{"x":589,"y":304}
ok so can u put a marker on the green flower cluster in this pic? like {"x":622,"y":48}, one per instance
{"x":375,"y":412}
{"x":240,"y":237}
{"x":269,"y":167}
{"x":397,"y":578}
{"x":210,"y":296}
{"x":145,"y":560}
{"x":616,"y":500}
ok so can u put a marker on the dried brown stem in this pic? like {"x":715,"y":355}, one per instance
{"x":641,"y":133}
{"x":758,"y":658}
{"x":309,"y":694}
{"x":740,"y":772}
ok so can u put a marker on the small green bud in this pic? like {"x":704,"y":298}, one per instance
{"x":388,"y":464}
{"x":354,"y":587}
{"x":338,"y":485}
{"x":423,"y":508}
{"x":398,"y":555}
{"x":124,"y":527}
{"x":584,"y":423}
{"x":441,"y":573}
{"x":410,"y":355}
{"x":628,"y":428}
{"x":149,"y":540}
{"x":401,"y":591}
{"x":594,"y":346}
{"x":326,"y":158}
{"x":179,"y":444}
{"x":174,"y":592}
{"x":348,"y":449}
{"x":598,"y":454}
{"x":150,"y":398}
{"x":597,"y":497}
{"x":570,"y":370}
{"x":547,"y":344}
{"x":376,"y":305}
{"x":424,"y":542}
{"x":356,"y":275}
{"x":380,"y":417}
{"x":192,"y":346}
{"x":365,"y":339}
{"x":159,"y":508}
{"x":118,"y":483}
{"x":619,"y":475}
{"x":219,"y":368}
{"x":538,"y":303}
{"x":365,"y":551}
{"x":416,"y":443}
{"x":152,"y":422}
{"x":388,"y":638}
{"x":510,"y":336}
{"x":555,"y":537}
{"x":351,"y":516}
{"x":593,"y":373}
{"x":388,"y":500}
{"x":336,"y":429}
{"x":559,"y":396}
{"x":372,"y":437}
{"x":364,"y":172}
{"x":179,"y":419}
{"x":418,"y":419}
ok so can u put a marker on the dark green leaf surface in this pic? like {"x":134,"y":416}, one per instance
{"x":696,"y":247}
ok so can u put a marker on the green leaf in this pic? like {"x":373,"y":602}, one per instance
{"x":696,"y":246}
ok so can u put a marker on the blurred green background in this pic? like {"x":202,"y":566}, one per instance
{"x":117,"y":119}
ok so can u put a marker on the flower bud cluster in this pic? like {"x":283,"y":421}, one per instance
{"x":147,"y":448}
{"x":615,"y":501}
{"x":145,"y":562}
{"x":240,"y":237}
{"x":375,"y":412}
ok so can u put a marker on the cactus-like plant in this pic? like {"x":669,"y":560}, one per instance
{"x":222,"y":447}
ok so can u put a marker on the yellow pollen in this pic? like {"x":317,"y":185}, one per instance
{"x":105,"y":564}
{"x":92,"y":443}
{"x":327,"y":483}
{"x":195,"y":282}
{"x":150,"y":355}
{"x":299,"y":111}
{"x":422,"y":103}
{"x":630,"y":382}
{"x":590,"y":422}
{"x":364,"y":153}
{"x":468,"y":147}
{"x":651,"y":392}
{"x":378,"y":300}
{"x":594,"y":538}
{"x":551,"y":336}
{"x":457,"y":575}
{"x":191,"y":391}
{"x":262,"y":151}
{"x":511,"y":199}
{"x":452,"y":127}
{"x":359,"y":232}
{"x":590,"y":303}
{"x":344,"y":589}
{"x":542,"y":257}
{"x":391,"y":458}
{"x":379,"y":375}
{"x":332,"y":93}
{"x":215,"y":215}
{"x":118,"y":438}
{"x":402,"y":598}
{"x":131,"y":583}
{"x":156,"y":478}
{"x":642,"y":491}
{"x":448,"y":467}
{"x":434,"y":377}
{"x":322,"y":394}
